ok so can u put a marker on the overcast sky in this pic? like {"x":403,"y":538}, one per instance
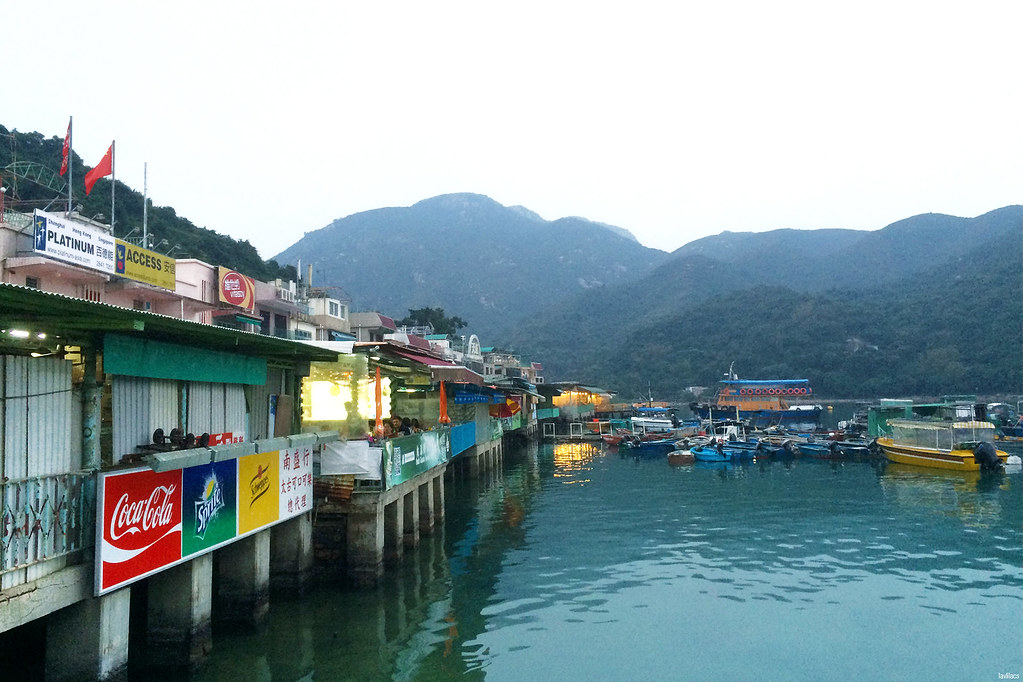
{"x":674,"y":120}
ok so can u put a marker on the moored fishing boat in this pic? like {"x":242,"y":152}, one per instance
{"x":818,"y":450}
{"x":762,"y":403}
{"x":959,"y":445}
{"x":657,"y":447}
{"x":724,"y":451}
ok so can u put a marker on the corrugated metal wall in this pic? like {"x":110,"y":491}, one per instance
{"x":216,"y":408}
{"x":140,"y":406}
{"x":37,"y":404}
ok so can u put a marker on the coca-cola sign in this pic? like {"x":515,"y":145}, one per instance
{"x":140,"y":525}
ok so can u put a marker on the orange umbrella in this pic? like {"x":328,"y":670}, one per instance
{"x":379,"y":429}
{"x":444,"y":418}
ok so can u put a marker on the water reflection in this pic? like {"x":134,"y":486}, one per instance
{"x":640,"y":569}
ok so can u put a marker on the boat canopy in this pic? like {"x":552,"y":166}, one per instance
{"x":941,"y":435}
{"x":766,"y":382}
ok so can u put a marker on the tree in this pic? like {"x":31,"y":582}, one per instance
{"x":434,"y":317}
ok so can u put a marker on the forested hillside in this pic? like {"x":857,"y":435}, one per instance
{"x":168,"y":230}
{"x":919,"y":325}
{"x":490,"y":264}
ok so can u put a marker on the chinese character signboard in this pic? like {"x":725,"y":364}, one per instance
{"x":296,"y":481}
{"x":80,"y":244}
{"x":143,"y":265}
{"x":148,"y":521}
{"x":72,"y":242}
{"x":408,"y":456}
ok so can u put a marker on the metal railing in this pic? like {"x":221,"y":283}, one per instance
{"x":45,"y":517}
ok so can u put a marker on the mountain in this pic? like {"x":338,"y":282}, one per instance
{"x":927,"y":304}
{"x":489,"y":264}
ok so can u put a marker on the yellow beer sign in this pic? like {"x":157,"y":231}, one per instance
{"x":258,"y":490}
{"x":143,"y":265}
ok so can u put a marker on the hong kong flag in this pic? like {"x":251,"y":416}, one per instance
{"x":103,"y":168}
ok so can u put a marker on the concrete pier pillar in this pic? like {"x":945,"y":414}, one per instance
{"x":243,"y":588}
{"x":89,"y":639}
{"x":410,"y":511}
{"x":426,"y":508}
{"x":365,"y":541}
{"x":438,"y":499}
{"x":291,"y":554}
{"x":178,"y":632}
{"x":474,"y":462}
{"x":394,"y":530}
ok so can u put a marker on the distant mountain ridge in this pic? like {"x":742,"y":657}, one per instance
{"x":485,"y":262}
{"x":793,"y":304}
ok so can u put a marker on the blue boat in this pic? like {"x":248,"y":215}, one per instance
{"x":727,"y":452}
{"x":659,"y":447}
{"x":818,"y":450}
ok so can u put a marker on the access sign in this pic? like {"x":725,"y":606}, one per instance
{"x":143,"y":265}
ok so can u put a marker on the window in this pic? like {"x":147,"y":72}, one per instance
{"x":32,"y":282}
{"x":333,"y":308}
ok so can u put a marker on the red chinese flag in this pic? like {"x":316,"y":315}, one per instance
{"x":67,"y":150}
{"x":103,"y":168}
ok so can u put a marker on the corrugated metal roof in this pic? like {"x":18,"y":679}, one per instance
{"x":80,"y":322}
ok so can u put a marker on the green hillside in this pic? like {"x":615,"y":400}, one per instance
{"x":30,"y":191}
{"x":943,"y":318}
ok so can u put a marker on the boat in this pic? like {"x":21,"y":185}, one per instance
{"x":852,"y":447}
{"x":818,"y":450}
{"x":762,"y":403}
{"x":680,"y":457}
{"x":724,"y":452}
{"x":956,"y":445}
{"x":656,"y":447}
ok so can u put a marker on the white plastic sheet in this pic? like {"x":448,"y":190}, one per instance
{"x":351,"y":457}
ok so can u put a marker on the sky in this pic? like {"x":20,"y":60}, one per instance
{"x":674,"y":120}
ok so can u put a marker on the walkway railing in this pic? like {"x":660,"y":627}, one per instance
{"x":45,"y":517}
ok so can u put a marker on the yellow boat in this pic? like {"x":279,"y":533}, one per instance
{"x":941,"y":445}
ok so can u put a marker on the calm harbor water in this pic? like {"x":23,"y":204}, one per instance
{"x":579,"y":563}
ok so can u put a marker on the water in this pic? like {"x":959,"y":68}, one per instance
{"x":580,"y":564}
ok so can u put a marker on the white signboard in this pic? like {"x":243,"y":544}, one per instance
{"x":296,"y":471}
{"x":72,"y":242}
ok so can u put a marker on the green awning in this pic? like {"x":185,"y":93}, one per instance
{"x":158,"y":360}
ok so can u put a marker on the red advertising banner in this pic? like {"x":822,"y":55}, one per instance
{"x":236,"y":288}
{"x":140,"y":525}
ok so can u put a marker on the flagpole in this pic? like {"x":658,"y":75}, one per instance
{"x":70,"y":166}
{"x":113,"y":186}
{"x":145,"y":205}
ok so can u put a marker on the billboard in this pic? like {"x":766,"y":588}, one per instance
{"x":73,"y":242}
{"x":235,"y":288}
{"x":143,"y":265}
{"x":148,"y":521}
{"x":80,"y":244}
